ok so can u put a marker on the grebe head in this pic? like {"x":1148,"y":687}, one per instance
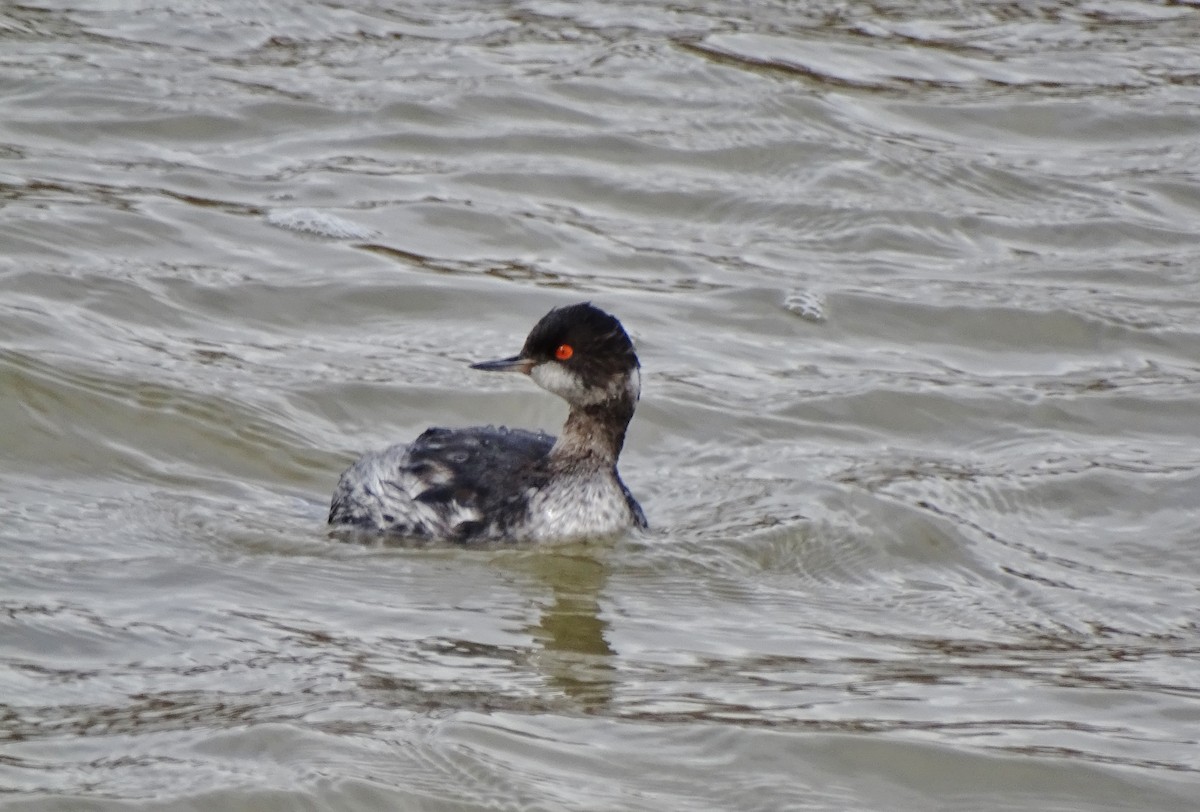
{"x":579,"y":353}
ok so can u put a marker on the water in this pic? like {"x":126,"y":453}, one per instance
{"x":916,"y":288}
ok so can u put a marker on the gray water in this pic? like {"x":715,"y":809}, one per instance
{"x":916,"y":289}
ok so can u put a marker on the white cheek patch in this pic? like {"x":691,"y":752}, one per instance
{"x":558,"y":379}
{"x":634,"y":385}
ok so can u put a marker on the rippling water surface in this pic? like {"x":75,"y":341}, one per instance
{"x":916,"y":288}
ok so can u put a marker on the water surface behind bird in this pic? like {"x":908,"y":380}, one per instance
{"x":916,"y":290}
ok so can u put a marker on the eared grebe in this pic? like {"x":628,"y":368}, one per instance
{"x":499,"y":483}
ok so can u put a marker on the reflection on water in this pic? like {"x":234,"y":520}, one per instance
{"x":915,"y":289}
{"x":570,"y":633}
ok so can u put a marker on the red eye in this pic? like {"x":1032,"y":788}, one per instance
{"x":564,"y":352}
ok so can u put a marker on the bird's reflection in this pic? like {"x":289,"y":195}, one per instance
{"x":575,"y":655}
